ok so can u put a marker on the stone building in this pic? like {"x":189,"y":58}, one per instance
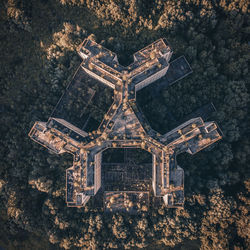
{"x":124,"y":126}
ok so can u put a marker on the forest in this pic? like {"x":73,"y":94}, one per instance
{"x":38,"y":58}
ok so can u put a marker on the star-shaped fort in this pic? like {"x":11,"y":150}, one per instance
{"x":123,"y":125}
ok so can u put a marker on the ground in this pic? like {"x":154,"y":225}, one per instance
{"x":38,"y":58}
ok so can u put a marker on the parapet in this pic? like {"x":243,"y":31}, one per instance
{"x":150,"y":64}
{"x":124,"y":126}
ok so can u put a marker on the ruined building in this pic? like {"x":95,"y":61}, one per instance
{"x":124,"y":126}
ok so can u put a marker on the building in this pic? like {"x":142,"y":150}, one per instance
{"x":124,"y":126}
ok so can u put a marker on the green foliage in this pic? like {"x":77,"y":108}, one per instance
{"x":38,"y":58}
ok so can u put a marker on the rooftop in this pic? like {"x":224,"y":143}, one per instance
{"x":123,"y":125}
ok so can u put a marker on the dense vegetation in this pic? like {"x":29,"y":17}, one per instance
{"x":37,"y":51}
